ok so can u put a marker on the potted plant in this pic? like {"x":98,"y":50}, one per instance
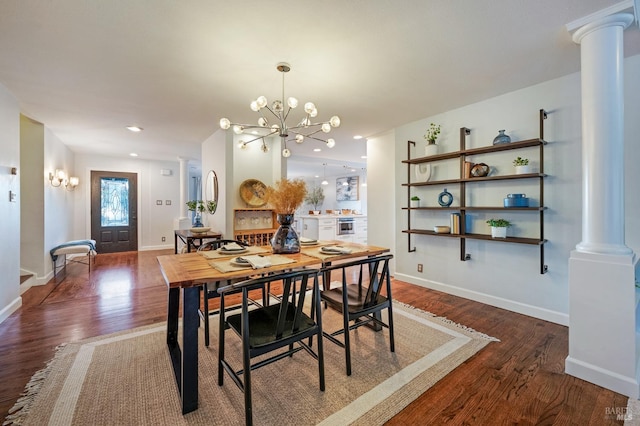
{"x":521,"y":165}
{"x":498,"y":227}
{"x":196,"y":206}
{"x":415,"y":201}
{"x":315,"y":197}
{"x":285,"y":198}
{"x":432,"y":133}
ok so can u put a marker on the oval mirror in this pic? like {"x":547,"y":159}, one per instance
{"x":211,"y":192}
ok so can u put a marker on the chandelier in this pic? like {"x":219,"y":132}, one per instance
{"x":304,"y":129}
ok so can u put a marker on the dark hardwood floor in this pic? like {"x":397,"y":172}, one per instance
{"x":519,"y":380}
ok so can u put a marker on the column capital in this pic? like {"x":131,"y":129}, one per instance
{"x":598,"y":22}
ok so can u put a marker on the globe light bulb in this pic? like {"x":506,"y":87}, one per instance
{"x":238,"y":130}
{"x":264,"y":147}
{"x":254,"y":106}
{"x":261,"y":102}
{"x":262,"y":122}
{"x":331,"y":143}
{"x":335,"y":121}
{"x":314,"y":112}
{"x":242,"y":145}
{"x":292,"y":102}
{"x":277,"y":106}
{"x":326,"y":127}
{"x":309,"y":107}
{"x":225,"y":123}
{"x":299,"y":138}
{"x":286,"y":153}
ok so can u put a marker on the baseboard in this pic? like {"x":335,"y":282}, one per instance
{"x":162,"y":247}
{"x":10,"y":308}
{"x":499,"y":302}
{"x":628,"y":386}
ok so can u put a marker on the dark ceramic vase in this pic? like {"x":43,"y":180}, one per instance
{"x":285,"y":240}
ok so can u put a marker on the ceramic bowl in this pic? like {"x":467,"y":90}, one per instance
{"x":199,"y":230}
{"x":442,"y":229}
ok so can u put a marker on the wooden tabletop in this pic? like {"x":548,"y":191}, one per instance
{"x":191,"y":269}
{"x":186,"y":233}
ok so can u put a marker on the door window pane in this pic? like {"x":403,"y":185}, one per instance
{"x":114,"y":202}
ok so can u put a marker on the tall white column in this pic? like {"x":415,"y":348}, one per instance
{"x":184,"y":186}
{"x":602,"y":58}
{"x":602,"y":310}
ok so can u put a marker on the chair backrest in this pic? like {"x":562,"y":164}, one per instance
{"x":216,"y":244}
{"x":295,"y":285}
{"x":377,"y":274}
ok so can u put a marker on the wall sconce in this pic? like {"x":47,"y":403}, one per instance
{"x":57,"y":178}
{"x":71,"y":183}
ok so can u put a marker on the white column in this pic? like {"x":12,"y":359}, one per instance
{"x":601,"y":51}
{"x":184,"y":186}
{"x":602,"y":308}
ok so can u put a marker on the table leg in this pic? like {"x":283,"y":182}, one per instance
{"x":175,"y":243}
{"x":185,"y":361}
{"x":189,"y":242}
{"x":190,"y":323}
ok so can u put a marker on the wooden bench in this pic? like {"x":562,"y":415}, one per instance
{"x":76,"y":248}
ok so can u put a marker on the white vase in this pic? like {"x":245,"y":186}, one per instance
{"x":414,"y":203}
{"x":523,"y":170}
{"x":423,"y":171}
{"x":498,"y":232}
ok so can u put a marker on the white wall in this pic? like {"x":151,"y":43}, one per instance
{"x":507,"y":275}
{"x":154,"y":221}
{"x":9,"y":211}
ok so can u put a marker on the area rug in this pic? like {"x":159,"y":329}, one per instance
{"x":126,"y":378}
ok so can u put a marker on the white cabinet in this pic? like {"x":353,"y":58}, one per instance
{"x":319,"y":228}
{"x":361,"y":230}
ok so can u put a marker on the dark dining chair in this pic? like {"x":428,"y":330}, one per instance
{"x":360,"y":302}
{"x":210,"y":289}
{"x":279,"y":329}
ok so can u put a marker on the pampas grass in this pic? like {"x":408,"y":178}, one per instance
{"x":287,"y":195}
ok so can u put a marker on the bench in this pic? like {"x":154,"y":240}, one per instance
{"x":76,"y":247}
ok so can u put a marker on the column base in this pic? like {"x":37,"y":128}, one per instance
{"x":600,"y":248}
{"x":602,"y":321}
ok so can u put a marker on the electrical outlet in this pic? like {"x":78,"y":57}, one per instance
{"x":164,"y":239}
{"x":419,"y":267}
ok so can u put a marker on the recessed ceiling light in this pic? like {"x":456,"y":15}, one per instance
{"x":316,"y":150}
{"x":134,"y":129}
{"x":133,"y":154}
{"x":357,"y":137}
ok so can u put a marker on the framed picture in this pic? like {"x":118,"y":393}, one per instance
{"x":347,"y":188}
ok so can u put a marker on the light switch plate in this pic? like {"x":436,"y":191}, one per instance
{"x":12,"y":196}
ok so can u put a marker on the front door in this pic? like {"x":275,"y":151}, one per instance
{"x":114,"y":211}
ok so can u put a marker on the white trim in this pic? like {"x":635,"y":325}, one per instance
{"x":10,"y":308}
{"x":602,"y":13}
{"x":608,"y":379}
{"x":521,"y":308}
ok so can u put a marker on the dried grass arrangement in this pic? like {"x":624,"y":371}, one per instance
{"x":287,"y":195}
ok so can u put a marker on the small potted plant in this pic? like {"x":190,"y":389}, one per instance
{"x":415,"y":201}
{"x":315,"y":197}
{"x":198,"y":207}
{"x":432,"y":133}
{"x":521,"y":165}
{"x":498,"y":227}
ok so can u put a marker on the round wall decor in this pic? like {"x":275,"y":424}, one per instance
{"x":253,"y":192}
{"x":445,"y":198}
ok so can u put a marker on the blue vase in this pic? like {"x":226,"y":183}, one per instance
{"x":285,"y":240}
{"x":197,"y":220}
{"x":501,"y":138}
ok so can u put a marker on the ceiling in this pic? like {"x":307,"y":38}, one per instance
{"x":87,"y":69}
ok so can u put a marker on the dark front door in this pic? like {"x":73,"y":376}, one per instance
{"x":114,"y":211}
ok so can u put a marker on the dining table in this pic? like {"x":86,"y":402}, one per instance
{"x":186,"y":273}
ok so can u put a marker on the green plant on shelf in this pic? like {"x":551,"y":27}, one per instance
{"x":521,"y":161}
{"x":415,"y":198}
{"x":499,"y":223}
{"x":432,"y":133}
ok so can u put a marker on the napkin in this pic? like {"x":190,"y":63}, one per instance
{"x":336,"y":249}
{"x":307,"y":240}
{"x":256,"y":261}
{"x":232,"y":247}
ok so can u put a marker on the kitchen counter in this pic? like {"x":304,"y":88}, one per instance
{"x":325,"y":227}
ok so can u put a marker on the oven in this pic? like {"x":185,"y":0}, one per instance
{"x":346,"y":226}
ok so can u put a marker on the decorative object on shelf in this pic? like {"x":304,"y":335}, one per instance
{"x":253,"y":192}
{"x":445,"y":198}
{"x":285,"y":197}
{"x":414,"y":202}
{"x":304,"y":128}
{"x":424,"y":171}
{"x":196,"y":206}
{"x":432,"y":133}
{"x":480,"y":170}
{"x":498,"y":227}
{"x":455,"y":223}
{"x":468,"y":165}
{"x":522,"y":166}
{"x":315,"y":197}
{"x":501,"y":138}
{"x":442,"y":229}
{"x":516,"y":200}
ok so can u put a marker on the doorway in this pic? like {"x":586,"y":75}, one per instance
{"x":114,"y":211}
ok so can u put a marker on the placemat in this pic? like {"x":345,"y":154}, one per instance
{"x":215,"y":254}
{"x":225,"y":265}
